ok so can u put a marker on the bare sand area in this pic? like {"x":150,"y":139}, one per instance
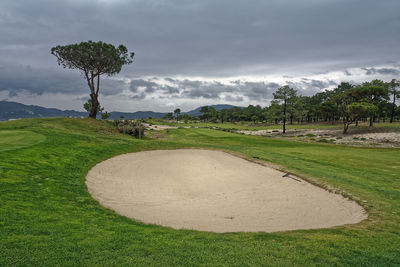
{"x":214,"y":191}
{"x":158,"y":127}
{"x":336,"y":136}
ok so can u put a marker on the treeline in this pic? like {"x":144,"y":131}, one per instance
{"x":373,"y":101}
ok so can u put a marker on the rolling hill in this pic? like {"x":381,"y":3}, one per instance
{"x":13,"y":110}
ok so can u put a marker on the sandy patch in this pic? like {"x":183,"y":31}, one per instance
{"x":390,"y":137}
{"x":214,"y":191}
{"x":158,"y":127}
{"x":335,"y":136}
{"x":258,"y":132}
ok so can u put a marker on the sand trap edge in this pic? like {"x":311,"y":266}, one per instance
{"x":255,"y":160}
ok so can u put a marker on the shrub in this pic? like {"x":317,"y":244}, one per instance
{"x":116,"y":122}
{"x":105,"y":115}
{"x":339,"y":137}
{"x":355,"y":138}
{"x":363,"y":138}
{"x":300,"y":135}
{"x":310,"y":135}
{"x":323,"y":140}
{"x":130,"y":127}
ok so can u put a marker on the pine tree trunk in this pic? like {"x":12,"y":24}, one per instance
{"x":346,"y":124}
{"x":345,"y":127}
{"x":284,"y":117}
{"x":94,"y":106}
{"x":93,"y":94}
{"x":393,"y":107}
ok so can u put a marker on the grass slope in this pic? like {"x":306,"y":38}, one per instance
{"x":10,"y":140}
{"x":47,"y":216}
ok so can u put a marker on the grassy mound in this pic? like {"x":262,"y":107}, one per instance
{"x":10,"y":140}
{"x":48,"y":217}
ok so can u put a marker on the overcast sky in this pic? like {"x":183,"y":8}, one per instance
{"x":194,"y":53}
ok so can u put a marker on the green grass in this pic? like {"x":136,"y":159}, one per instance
{"x":47,"y":217}
{"x":10,"y":140}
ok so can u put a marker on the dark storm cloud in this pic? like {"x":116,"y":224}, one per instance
{"x":382,"y":71}
{"x":207,"y":38}
{"x":111,"y":86}
{"x":141,"y":88}
{"x":234,"y":91}
{"x":170,"y":89}
{"x":234,"y":98}
{"x":259,"y":90}
{"x":308,"y":87}
{"x":139,"y":96}
{"x":201,"y":89}
{"x":318,"y":83}
{"x":215,"y":89}
{"x":148,"y":85}
{"x":17,"y":79}
{"x":12,"y":94}
{"x":347,"y":73}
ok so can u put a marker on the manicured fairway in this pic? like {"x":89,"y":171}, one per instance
{"x":10,"y":140}
{"x":47,"y":217}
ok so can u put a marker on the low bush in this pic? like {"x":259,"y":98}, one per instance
{"x":227,"y":129}
{"x":131,"y":127}
{"x":310,"y":135}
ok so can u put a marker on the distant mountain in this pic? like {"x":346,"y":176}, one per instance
{"x":14,"y":110}
{"x":137,"y":115}
{"x":196,"y":112}
{"x":157,"y":115}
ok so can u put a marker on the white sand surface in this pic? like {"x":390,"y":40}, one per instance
{"x":214,"y":191}
{"x":158,"y":127}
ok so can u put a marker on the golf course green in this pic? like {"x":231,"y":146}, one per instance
{"x":47,"y":216}
{"x":10,"y":140}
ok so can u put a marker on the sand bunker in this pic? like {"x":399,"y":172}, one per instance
{"x":214,"y":191}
